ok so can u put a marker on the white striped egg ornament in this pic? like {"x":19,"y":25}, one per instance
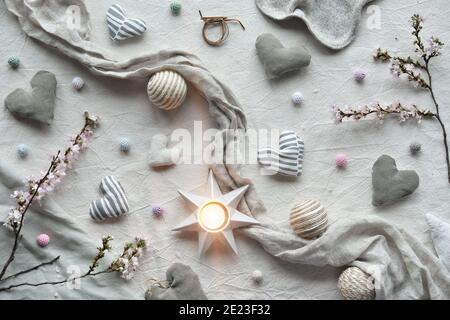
{"x":309,"y":219}
{"x":167,"y":89}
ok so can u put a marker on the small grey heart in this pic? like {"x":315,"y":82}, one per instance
{"x":389,"y":183}
{"x":277,"y":59}
{"x":38,"y":104}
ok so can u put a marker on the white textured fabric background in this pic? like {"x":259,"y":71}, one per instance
{"x":126,"y":112}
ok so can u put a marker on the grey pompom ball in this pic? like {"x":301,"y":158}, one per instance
{"x":415,"y":147}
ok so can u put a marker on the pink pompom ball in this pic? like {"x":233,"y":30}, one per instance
{"x":43,"y":240}
{"x":360,"y":75}
{"x":341,"y":160}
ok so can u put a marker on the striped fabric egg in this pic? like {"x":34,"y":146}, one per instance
{"x":114,"y":203}
{"x":167,"y":90}
{"x":309,"y":219}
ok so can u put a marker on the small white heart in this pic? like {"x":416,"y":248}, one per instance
{"x":160,"y":155}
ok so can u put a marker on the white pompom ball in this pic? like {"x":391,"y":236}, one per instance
{"x":257,"y":276}
{"x":298,"y":98}
{"x":167,"y":90}
{"x":355,"y":284}
{"x":77,"y":83}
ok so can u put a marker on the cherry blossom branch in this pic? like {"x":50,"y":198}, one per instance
{"x":17,"y":227}
{"x":415,"y":71}
{"x":126,"y":264}
{"x":381,"y":111}
{"x":37,"y":188}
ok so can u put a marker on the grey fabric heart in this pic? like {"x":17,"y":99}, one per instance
{"x":277,"y":59}
{"x":390,"y":184}
{"x":333,"y":23}
{"x":37,"y":105}
{"x":183,"y":285}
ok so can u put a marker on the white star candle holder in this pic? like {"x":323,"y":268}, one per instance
{"x":215,"y":217}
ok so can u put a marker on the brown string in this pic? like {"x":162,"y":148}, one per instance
{"x":213,"y":21}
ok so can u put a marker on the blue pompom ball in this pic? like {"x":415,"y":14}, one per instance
{"x":22,"y":150}
{"x":124,"y":145}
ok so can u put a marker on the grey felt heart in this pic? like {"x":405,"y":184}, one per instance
{"x":277,"y":59}
{"x":183,"y":284}
{"x":390,"y":184}
{"x":38,"y":104}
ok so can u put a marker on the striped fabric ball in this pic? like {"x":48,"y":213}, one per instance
{"x":355,"y":284}
{"x":309,"y":219}
{"x":114,"y":203}
{"x":167,"y":90}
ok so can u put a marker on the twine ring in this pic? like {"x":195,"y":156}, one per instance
{"x":210,"y":22}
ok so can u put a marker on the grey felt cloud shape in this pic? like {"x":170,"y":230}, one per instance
{"x":277,"y":59}
{"x":334,"y":23}
{"x":183,"y":285}
{"x":37,"y":105}
{"x":391,"y":184}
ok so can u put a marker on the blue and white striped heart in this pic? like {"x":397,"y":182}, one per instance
{"x":288,"y":159}
{"x":120,"y":27}
{"x":114,"y":203}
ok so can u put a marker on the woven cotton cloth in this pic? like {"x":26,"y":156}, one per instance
{"x":404,"y":268}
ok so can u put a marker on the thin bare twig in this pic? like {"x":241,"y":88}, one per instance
{"x":38,"y":284}
{"x":31,"y":269}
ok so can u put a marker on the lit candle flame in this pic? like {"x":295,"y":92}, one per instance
{"x":214,"y":216}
